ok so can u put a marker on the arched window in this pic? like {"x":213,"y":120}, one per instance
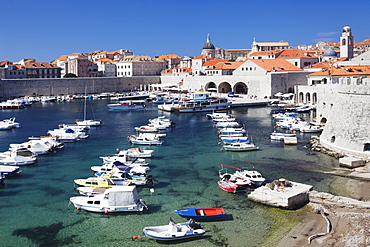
{"x":343,"y":42}
{"x":366,"y":147}
{"x":332,"y":139}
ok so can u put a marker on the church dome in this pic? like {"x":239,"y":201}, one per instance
{"x":330,"y":53}
{"x":208,"y":45}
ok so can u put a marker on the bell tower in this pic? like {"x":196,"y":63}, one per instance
{"x":346,"y":43}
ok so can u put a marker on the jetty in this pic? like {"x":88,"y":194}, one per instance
{"x":282,"y":193}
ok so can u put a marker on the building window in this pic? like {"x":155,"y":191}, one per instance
{"x":332,"y":140}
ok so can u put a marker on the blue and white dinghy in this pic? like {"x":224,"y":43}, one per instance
{"x":174,"y":231}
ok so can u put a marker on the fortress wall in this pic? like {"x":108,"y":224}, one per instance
{"x":346,"y":109}
{"x":63,"y":86}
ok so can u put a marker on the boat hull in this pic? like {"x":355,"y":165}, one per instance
{"x":201,"y":213}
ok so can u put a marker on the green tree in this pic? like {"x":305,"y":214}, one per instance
{"x":70,"y":75}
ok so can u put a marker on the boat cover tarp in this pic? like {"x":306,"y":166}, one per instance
{"x":123,"y":195}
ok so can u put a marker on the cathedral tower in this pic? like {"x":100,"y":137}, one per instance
{"x":346,"y":43}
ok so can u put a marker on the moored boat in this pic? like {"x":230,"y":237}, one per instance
{"x":240,"y":147}
{"x":174,"y":231}
{"x":201,"y":213}
{"x":197,"y":102}
{"x":118,"y":199}
{"x":7,"y":170}
{"x":127,"y":105}
{"x":139,"y":153}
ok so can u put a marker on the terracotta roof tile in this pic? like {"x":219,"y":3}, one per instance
{"x":343,"y":71}
{"x":275,"y":65}
{"x":202,"y":57}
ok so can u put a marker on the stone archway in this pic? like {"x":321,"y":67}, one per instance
{"x":240,"y":88}
{"x":314,"y":98}
{"x":308,"y":98}
{"x":224,"y":87}
{"x":211,"y":87}
{"x":323,"y":121}
{"x":300,"y":98}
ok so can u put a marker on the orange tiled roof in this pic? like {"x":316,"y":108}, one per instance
{"x":365,"y":42}
{"x":40,"y":65}
{"x":3,"y":63}
{"x":106,"y":52}
{"x":226,"y":65}
{"x":214,"y":61}
{"x":169,"y":56}
{"x":202,"y":57}
{"x":275,"y":65}
{"x":17,"y":66}
{"x":106,"y":60}
{"x":321,"y":65}
{"x":343,"y":71}
{"x":178,"y":70}
{"x":261,"y":53}
{"x":293,"y":53}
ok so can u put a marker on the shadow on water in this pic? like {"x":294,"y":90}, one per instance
{"x":45,"y":236}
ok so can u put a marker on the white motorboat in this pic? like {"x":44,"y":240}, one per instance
{"x":91,"y":123}
{"x":231,"y":135}
{"x":240,"y":147}
{"x":217,"y":115}
{"x":145,"y":140}
{"x":228,"y":124}
{"x":280,"y":136}
{"x":5,"y":126}
{"x":7,"y":170}
{"x":19,"y":157}
{"x":139,"y":153}
{"x":118,"y":166}
{"x":311,"y":129}
{"x":122,"y":157}
{"x":49,"y":141}
{"x":174,"y":231}
{"x":224,"y":119}
{"x":115,"y":199}
{"x":197,"y":102}
{"x":12,"y":122}
{"x":232,"y":131}
{"x":147,"y":129}
{"x":37,"y":147}
{"x":67,"y":134}
{"x":254,"y":176}
{"x":127,"y":105}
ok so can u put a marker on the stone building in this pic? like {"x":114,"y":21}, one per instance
{"x":139,"y":65}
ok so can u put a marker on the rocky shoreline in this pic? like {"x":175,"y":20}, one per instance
{"x":349,"y":217}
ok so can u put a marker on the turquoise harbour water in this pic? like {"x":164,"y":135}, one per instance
{"x":35,"y":208}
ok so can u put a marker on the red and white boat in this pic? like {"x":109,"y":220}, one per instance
{"x":227,"y":186}
{"x":12,"y":104}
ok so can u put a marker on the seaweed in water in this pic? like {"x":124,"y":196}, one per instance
{"x":45,"y":236}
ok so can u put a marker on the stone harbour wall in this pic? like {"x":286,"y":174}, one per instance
{"x":345,"y":110}
{"x":13,"y":88}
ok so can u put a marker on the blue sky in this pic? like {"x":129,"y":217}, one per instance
{"x":47,"y":29}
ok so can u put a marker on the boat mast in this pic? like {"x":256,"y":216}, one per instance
{"x":85,"y":104}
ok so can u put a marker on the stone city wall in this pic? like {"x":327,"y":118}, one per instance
{"x":66,"y":86}
{"x":346,"y":109}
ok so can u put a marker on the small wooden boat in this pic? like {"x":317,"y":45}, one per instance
{"x":174,"y":231}
{"x":201,"y":213}
{"x":227,"y":186}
